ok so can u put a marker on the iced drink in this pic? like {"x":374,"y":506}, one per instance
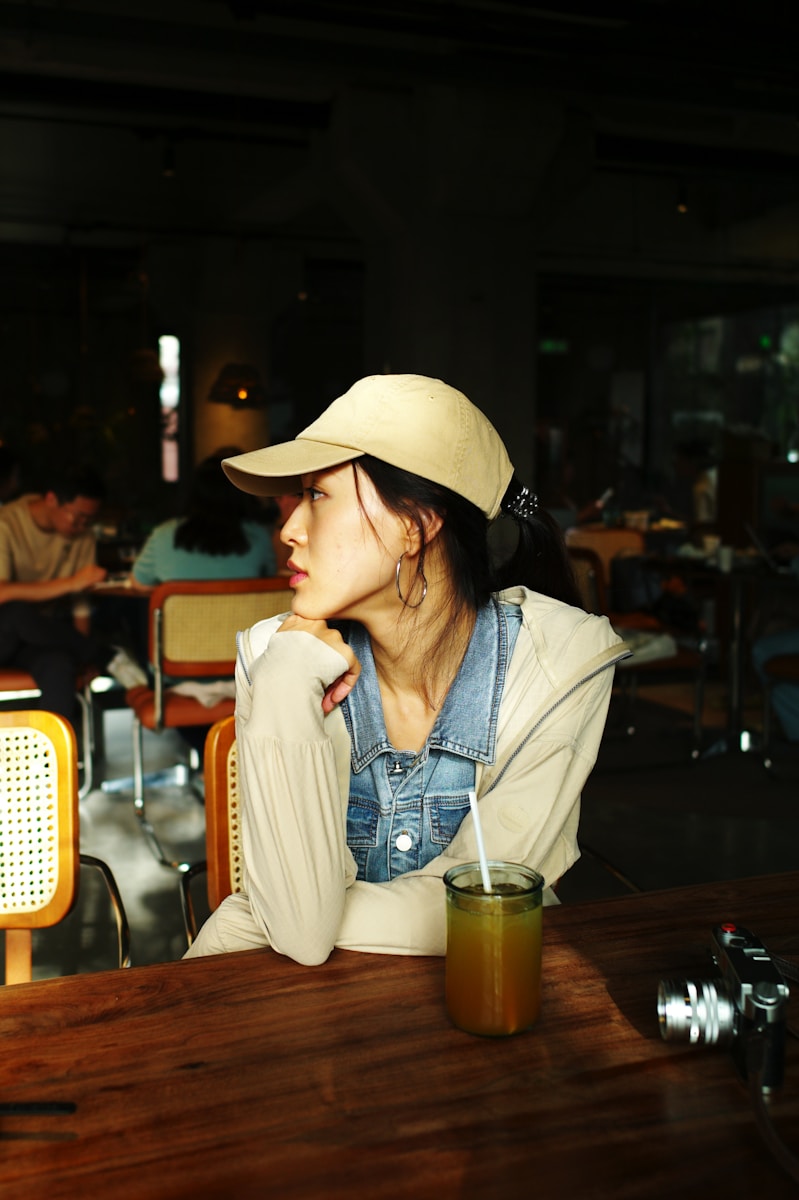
{"x":493,"y":966}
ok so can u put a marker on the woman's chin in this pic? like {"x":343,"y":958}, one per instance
{"x":310,"y":612}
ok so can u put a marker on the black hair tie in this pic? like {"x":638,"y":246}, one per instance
{"x":519,"y":502}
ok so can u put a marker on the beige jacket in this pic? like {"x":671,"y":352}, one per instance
{"x":302,"y":896}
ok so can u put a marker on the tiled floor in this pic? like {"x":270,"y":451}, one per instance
{"x":663,"y":819}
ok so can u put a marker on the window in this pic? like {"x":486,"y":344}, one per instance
{"x":169,"y":357}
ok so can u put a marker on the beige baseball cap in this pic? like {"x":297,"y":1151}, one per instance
{"x":409,"y":421}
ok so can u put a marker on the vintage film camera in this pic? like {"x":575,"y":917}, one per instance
{"x":744,"y":1009}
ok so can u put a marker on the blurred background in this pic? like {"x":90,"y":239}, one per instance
{"x":215,"y":216}
{"x":582,"y":213}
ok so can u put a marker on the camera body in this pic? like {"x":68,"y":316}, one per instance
{"x":745,"y":1008}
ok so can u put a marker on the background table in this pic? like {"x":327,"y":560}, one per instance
{"x":737,"y":595}
{"x":248,"y":1075}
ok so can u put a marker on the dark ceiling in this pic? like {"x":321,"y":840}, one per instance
{"x":725,"y":55}
{"x":128,"y":124}
{"x":268,"y":69}
{"x":97,"y":99}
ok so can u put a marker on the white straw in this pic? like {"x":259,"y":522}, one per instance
{"x":481,"y":850}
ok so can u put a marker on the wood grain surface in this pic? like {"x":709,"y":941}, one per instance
{"x":248,"y":1075}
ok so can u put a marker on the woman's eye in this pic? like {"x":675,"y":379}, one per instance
{"x":314,"y":493}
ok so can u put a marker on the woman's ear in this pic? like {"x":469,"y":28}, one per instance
{"x":431,"y":524}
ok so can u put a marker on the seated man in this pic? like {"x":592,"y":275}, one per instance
{"x":47,"y":562}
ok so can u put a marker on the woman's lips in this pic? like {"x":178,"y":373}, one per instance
{"x":297,"y":578}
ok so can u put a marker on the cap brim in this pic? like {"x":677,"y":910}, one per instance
{"x":276,"y":470}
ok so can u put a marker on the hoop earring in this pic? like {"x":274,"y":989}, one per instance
{"x":399,"y":593}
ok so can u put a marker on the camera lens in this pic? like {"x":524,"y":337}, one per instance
{"x":696,"y":1011}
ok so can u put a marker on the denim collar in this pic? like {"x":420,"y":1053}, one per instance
{"x":467,"y":724}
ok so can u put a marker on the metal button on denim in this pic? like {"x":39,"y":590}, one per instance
{"x":404,"y":841}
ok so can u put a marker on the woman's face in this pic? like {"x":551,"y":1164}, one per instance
{"x":343,"y":548}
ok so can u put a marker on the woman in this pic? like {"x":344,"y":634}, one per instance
{"x":217,"y":537}
{"x":399,"y":681}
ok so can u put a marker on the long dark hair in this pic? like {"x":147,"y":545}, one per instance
{"x":539,"y":560}
{"x":215,"y":511}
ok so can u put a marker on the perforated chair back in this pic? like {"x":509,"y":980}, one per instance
{"x":40,"y":854}
{"x":38,"y":830}
{"x":223,"y":865}
{"x":18,"y":689}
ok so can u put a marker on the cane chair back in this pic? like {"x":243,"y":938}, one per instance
{"x":18,"y":688}
{"x":192,"y":635}
{"x":39,"y":835}
{"x":193,"y":627}
{"x":223,"y":813}
{"x":192,"y":632}
{"x":223,"y":865}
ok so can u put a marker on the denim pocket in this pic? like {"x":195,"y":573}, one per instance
{"x":363,"y":818}
{"x":446,"y":813}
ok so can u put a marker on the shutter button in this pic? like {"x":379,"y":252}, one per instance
{"x":404,"y":842}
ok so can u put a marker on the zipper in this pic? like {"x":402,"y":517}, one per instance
{"x":240,"y":656}
{"x":552,"y":708}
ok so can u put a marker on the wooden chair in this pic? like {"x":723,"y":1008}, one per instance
{"x":606,"y":544}
{"x":783,"y":668}
{"x":223,"y":865}
{"x":18,"y":688}
{"x":39,"y":835}
{"x":591,"y":573}
{"x":192,"y":636}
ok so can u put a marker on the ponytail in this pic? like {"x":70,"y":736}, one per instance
{"x":540,"y":560}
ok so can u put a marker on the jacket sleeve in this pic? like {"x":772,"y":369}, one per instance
{"x":294,"y":789}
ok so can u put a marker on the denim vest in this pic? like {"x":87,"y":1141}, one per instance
{"x":405,"y":807}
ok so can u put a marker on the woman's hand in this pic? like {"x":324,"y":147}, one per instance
{"x":340,"y":688}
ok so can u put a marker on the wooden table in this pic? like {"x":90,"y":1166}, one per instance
{"x":251,"y":1076}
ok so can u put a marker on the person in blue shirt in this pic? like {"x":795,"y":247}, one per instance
{"x":217,"y":537}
